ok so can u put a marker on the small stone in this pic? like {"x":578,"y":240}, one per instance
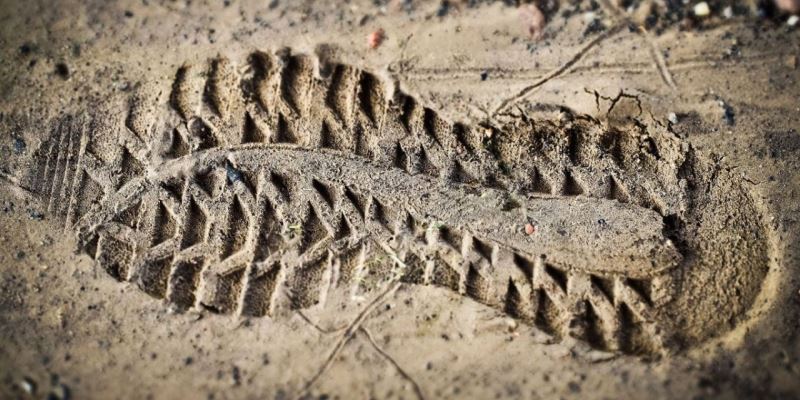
{"x":28,"y":385}
{"x":236,"y":374}
{"x":484,"y":75}
{"x":375,"y":38}
{"x":673,"y":118}
{"x":793,"y":20}
{"x":530,"y":229}
{"x":232,"y":174}
{"x":511,"y":324}
{"x":62,"y":70}
{"x":122,"y":86}
{"x":727,"y":113}
{"x":60,"y":392}
{"x":19,"y":145}
{"x":702,"y":9}
{"x":35,"y":215}
{"x":533,"y":20}
{"x":444,"y":8}
{"x":727,"y":12}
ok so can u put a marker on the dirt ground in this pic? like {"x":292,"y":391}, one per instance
{"x":402,"y":199}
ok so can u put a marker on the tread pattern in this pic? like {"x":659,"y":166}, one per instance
{"x":207,"y":208}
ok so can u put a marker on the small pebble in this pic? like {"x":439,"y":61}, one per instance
{"x":122,"y":86}
{"x":232,"y":174}
{"x":673,"y":118}
{"x":793,"y":20}
{"x":530,"y":229}
{"x":533,"y":20}
{"x":375,"y":38}
{"x":444,"y":8}
{"x":62,"y":70}
{"x":727,"y":12}
{"x":19,"y":145}
{"x":28,"y":385}
{"x":61,"y":392}
{"x":35,"y":215}
{"x":702,"y":9}
{"x":727,"y":113}
{"x":236,"y":374}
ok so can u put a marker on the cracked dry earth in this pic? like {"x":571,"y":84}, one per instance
{"x":243,"y":200}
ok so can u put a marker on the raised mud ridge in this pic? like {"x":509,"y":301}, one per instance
{"x":267,"y":185}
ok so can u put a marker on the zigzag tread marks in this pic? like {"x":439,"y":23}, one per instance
{"x":242,"y":243}
{"x":286,"y":102}
{"x":283,"y":99}
{"x":257,"y":241}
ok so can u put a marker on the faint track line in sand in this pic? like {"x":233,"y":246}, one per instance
{"x":525,"y":92}
{"x":688,"y":64}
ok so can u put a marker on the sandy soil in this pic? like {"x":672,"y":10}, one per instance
{"x":248,"y":199}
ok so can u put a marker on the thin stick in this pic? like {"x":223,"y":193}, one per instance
{"x":348,"y":334}
{"x":655,"y":52}
{"x":661,"y":63}
{"x":525,"y":92}
{"x":317,"y":326}
{"x":417,"y":388}
{"x":354,"y":326}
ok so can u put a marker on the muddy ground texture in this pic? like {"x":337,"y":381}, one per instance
{"x":405,"y":199}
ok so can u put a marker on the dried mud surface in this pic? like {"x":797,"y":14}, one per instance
{"x":245,"y":200}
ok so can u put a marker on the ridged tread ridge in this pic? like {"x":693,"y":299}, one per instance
{"x":237,"y":240}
